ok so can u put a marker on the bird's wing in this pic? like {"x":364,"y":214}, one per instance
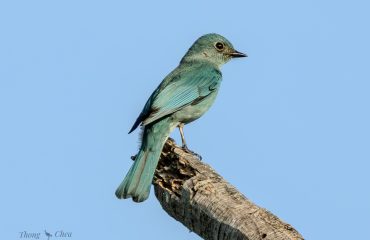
{"x":188,"y":88}
{"x":146,"y":110}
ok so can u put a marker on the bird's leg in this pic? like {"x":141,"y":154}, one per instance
{"x":181,"y":129}
{"x":184,"y":146}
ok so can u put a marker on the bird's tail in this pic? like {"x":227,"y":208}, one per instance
{"x":139,"y":178}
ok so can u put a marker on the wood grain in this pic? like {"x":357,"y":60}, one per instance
{"x":194,"y":194}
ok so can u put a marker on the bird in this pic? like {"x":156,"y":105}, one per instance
{"x":183,"y":96}
{"x":48,"y":234}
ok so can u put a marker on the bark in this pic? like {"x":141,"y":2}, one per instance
{"x":194,"y":194}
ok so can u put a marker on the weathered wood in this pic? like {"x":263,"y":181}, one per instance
{"x":194,"y":194}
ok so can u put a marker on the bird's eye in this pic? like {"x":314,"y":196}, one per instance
{"x":219,"y":46}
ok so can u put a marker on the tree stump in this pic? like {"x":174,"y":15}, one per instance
{"x":195,"y":195}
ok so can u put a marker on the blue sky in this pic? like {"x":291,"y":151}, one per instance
{"x":290,"y":127}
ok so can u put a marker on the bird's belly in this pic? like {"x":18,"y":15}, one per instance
{"x":193,"y":112}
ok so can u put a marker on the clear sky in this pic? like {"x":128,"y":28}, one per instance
{"x":290,"y":127}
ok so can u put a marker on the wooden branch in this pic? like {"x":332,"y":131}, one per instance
{"x":194,"y":194}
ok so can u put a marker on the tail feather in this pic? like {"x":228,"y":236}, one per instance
{"x":130,"y":185}
{"x":139,"y":178}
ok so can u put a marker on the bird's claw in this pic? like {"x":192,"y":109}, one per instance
{"x":186,"y":149}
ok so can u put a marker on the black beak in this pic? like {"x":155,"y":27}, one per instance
{"x":237,"y":54}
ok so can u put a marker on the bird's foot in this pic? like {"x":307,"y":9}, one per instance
{"x":186,"y":149}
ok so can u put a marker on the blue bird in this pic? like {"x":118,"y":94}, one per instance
{"x":182,"y":97}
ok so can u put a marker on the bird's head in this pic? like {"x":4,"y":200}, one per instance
{"x":213,"y":48}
